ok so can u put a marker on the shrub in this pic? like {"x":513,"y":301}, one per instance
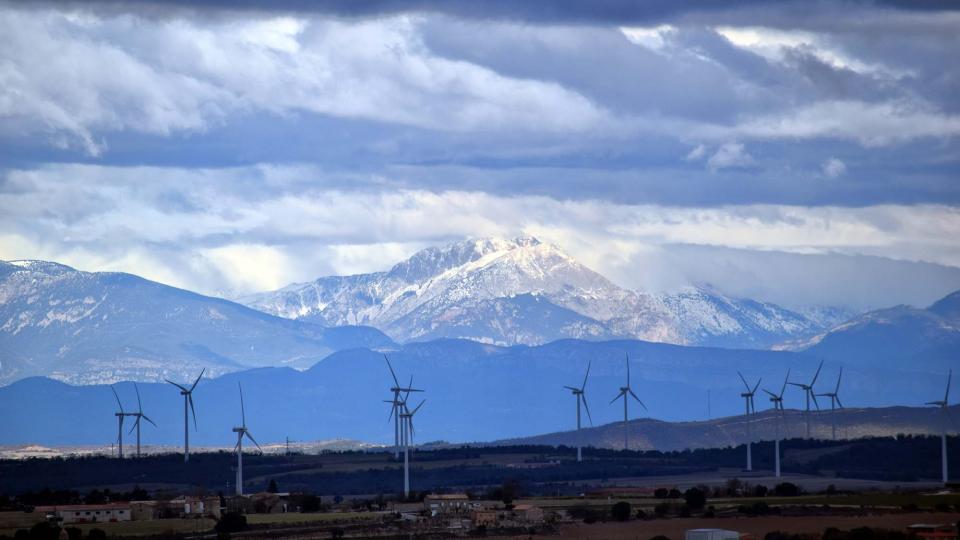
{"x":621,"y":511}
{"x":675,"y":494}
{"x":661,"y":510}
{"x":786,"y":489}
{"x":96,"y":534}
{"x":231,"y":522}
{"x":661,"y":493}
{"x":760,"y":491}
{"x":695,"y":498}
{"x":74,"y":533}
{"x":44,"y":531}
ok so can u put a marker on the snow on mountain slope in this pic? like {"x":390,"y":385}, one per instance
{"x":459,"y":289}
{"x":95,"y":327}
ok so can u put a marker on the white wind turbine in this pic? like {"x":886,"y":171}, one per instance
{"x":406,"y":435}
{"x":581,"y":398}
{"x":624,"y":392}
{"x":242,"y":432}
{"x":120,"y":417}
{"x":187,"y":400}
{"x":944,"y":406}
{"x":777,"y":400}
{"x":808,"y":392}
{"x":834,"y":401}
{"x":140,"y":416}
{"x":397,"y":403}
{"x":748,"y":399}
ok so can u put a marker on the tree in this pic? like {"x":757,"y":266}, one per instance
{"x":675,"y":493}
{"x":786,"y":489}
{"x":272,"y":487}
{"x":96,"y":534}
{"x":695,"y":498}
{"x":45,"y":531}
{"x":661,"y":493}
{"x":74,"y":533}
{"x":231,"y":522}
{"x":621,"y":511}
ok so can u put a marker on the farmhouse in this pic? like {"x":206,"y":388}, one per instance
{"x":88,"y":513}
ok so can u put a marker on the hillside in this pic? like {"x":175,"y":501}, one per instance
{"x":99,"y":327}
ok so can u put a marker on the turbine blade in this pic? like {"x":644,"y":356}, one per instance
{"x":587,"y":407}
{"x":409,"y":389}
{"x":192,"y":410}
{"x":584,"y":385}
{"x":198,"y":379}
{"x":254,"y":441}
{"x":754,"y":391}
{"x":118,"y":398}
{"x":745,"y":385}
{"x":814,"y":396}
{"x":769,"y":393}
{"x":634,"y":395}
{"x":139,"y":404}
{"x":414,"y":411}
{"x":838,"y":401}
{"x":946,"y":396}
{"x":571,"y":388}
{"x":628,"y":369}
{"x":801,"y":385}
{"x":134,"y":426}
{"x":243,"y":414}
{"x":817,"y":374}
{"x":147,"y":418}
{"x":840,"y":376}
{"x":618,"y":396}
{"x":785,"y":379}
{"x":392,"y":373}
{"x":177,"y":385}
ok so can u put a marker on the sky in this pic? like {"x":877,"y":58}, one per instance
{"x":803,"y":153}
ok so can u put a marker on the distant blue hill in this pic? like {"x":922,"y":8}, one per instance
{"x":95,"y":327}
{"x":475,"y":392}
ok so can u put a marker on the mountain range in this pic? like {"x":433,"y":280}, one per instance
{"x":473,"y":392}
{"x":96,"y":327}
{"x":523,"y":291}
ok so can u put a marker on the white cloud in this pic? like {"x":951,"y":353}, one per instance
{"x":61,"y":74}
{"x":220,"y":239}
{"x":729,"y":155}
{"x":834,"y":168}
{"x":697,"y":153}
{"x":654,"y":38}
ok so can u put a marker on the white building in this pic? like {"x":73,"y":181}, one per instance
{"x":88,"y":513}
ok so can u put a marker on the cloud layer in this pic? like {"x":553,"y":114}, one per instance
{"x":241,"y":147}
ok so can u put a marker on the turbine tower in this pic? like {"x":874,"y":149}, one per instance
{"x":397,"y":405}
{"x":624,"y":392}
{"x":406,"y":435}
{"x":242,"y":432}
{"x":581,"y":398}
{"x":748,"y":399}
{"x":777,"y":400}
{"x":140,"y":416}
{"x":944,"y":406}
{"x":808,"y":392}
{"x":120,"y":416}
{"x":834,"y":401}
{"x":187,"y":401}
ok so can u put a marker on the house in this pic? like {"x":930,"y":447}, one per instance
{"x":929,"y":531}
{"x":484,"y":518}
{"x":528,"y":513}
{"x":447,"y":504}
{"x":88,"y":513}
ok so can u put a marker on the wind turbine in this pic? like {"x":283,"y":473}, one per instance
{"x":834,"y":401}
{"x":187,"y":400}
{"x":242,"y":432}
{"x":624,"y":392}
{"x":397,"y":405}
{"x":120,"y":416}
{"x":808,"y":392}
{"x":748,"y":399}
{"x":777,"y":400}
{"x":406,"y":435}
{"x":581,"y":398}
{"x":140,"y":416}
{"x":944,"y":406}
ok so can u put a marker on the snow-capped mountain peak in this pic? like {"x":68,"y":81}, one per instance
{"x":497,"y":290}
